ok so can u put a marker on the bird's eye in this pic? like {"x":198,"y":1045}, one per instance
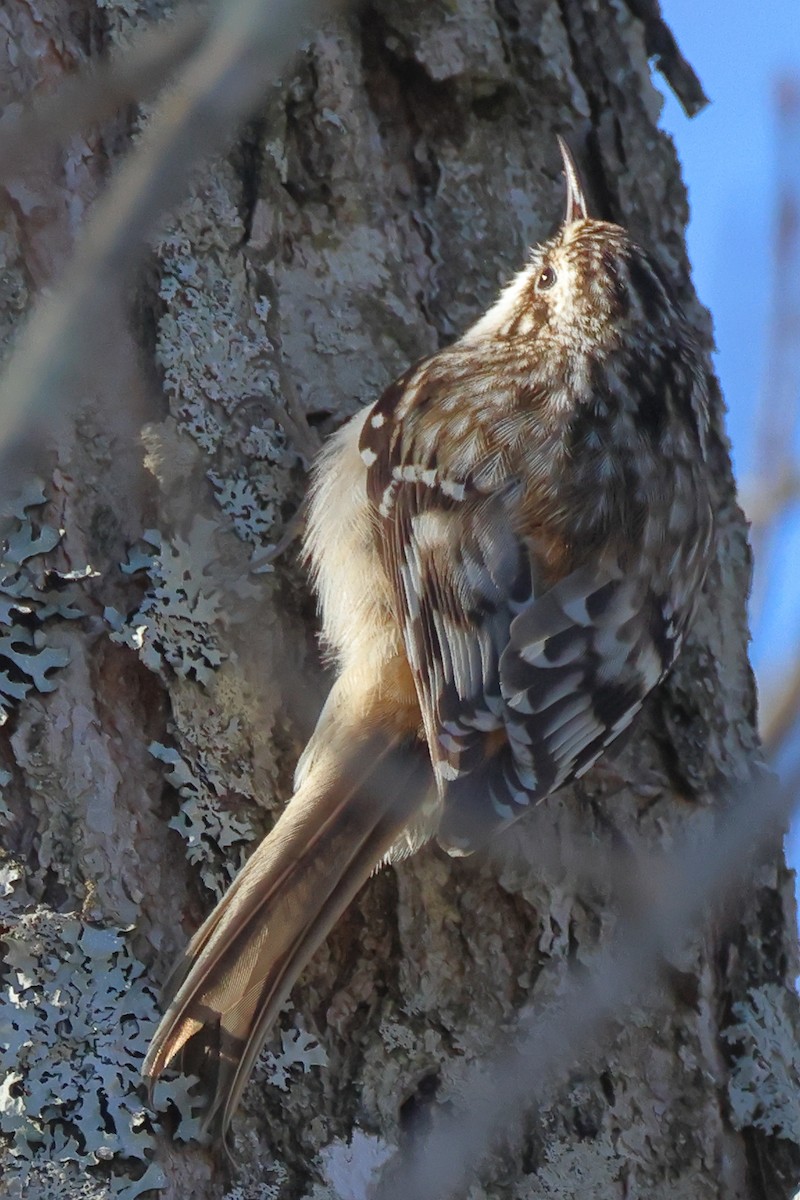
{"x":547,"y":278}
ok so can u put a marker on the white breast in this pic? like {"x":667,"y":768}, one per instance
{"x":354,"y":592}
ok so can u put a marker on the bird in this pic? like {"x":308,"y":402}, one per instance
{"x":508,"y":547}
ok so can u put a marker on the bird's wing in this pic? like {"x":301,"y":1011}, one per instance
{"x":458,"y":573}
{"x":521,"y":689}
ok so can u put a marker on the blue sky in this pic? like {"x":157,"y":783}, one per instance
{"x":740,"y":48}
{"x":729,"y":158}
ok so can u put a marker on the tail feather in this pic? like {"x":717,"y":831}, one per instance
{"x":243,"y":961}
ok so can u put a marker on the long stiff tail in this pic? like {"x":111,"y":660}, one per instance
{"x":243,"y":961}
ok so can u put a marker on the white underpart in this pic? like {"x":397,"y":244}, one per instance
{"x":355,"y":595}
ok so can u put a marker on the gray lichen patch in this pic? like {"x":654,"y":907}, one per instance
{"x":215,"y":834}
{"x":593,"y":1167}
{"x":300,"y":1051}
{"x":195,"y":593}
{"x":76,"y":1016}
{"x":218,"y":360}
{"x":351,"y":1168}
{"x":176,"y":624}
{"x":273,"y":1189}
{"x":764,"y":1088}
{"x":33,"y":593}
{"x":49,"y":1179}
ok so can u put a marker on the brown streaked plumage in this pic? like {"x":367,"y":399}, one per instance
{"x":508,"y":547}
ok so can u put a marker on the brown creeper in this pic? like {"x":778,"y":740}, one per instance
{"x":508,"y":548}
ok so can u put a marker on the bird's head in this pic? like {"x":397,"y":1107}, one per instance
{"x":585,"y":289}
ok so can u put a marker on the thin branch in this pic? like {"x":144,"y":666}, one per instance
{"x":262,"y":559}
{"x":766,"y":502}
{"x":290,"y":417}
{"x":780,"y":712}
{"x":95,"y":94}
{"x":520,"y":1074}
{"x":778,"y":408}
{"x":249,"y":42}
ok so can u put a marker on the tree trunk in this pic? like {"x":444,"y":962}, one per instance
{"x":367,"y":213}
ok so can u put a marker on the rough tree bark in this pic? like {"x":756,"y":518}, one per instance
{"x":368,"y":211}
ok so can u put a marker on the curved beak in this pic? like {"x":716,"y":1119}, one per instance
{"x":577,"y":209}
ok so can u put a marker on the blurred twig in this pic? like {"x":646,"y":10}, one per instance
{"x":771,"y":497}
{"x":248,"y":43}
{"x":519,"y":1075}
{"x":779,"y":714}
{"x":98,"y":92}
{"x":778,"y":411}
{"x":768,"y":503}
{"x":290,"y":416}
